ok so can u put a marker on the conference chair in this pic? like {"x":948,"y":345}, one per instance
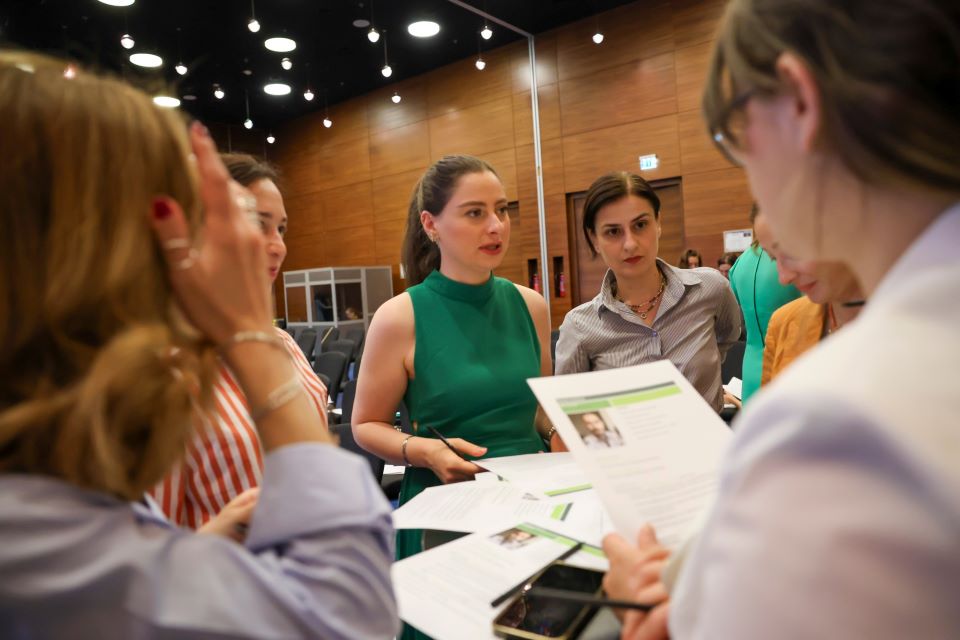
{"x":331,"y":365}
{"x":306,"y":341}
{"x":344,"y":432}
{"x":349,"y":391}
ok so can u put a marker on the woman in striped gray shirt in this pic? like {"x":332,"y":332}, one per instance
{"x":646,"y":310}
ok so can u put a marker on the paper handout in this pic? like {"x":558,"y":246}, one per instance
{"x":645,"y":438}
{"x":446,"y":591}
{"x":548,"y":475}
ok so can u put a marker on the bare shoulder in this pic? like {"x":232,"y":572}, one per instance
{"x":394,"y":318}
{"x":534,"y":300}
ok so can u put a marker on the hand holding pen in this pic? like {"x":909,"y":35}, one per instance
{"x":449,"y":460}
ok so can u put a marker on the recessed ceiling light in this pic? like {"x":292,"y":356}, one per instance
{"x":247,"y":72}
{"x":280,"y":45}
{"x":276,"y":89}
{"x":361,"y":23}
{"x":248,"y":124}
{"x":486,"y":33}
{"x":146,"y":60}
{"x":396,"y":98}
{"x":168,"y":102}
{"x":253,"y":25}
{"x":190,"y":97}
{"x":118,"y":3}
{"x":126,"y":41}
{"x":423,"y":29}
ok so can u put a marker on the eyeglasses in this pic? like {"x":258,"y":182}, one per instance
{"x":728,"y":138}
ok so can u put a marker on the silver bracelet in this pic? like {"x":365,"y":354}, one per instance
{"x":403,"y":450}
{"x":277,"y":398}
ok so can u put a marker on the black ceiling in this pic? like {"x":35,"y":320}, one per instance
{"x":211,"y":37}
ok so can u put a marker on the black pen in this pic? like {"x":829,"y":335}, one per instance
{"x":447,"y":442}
{"x":496,"y":602}
{"x":585,"y":598}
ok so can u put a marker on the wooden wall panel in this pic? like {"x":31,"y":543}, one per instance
{"x":347,"y":207}
{"x":347,"y":188}
{"x":692,"y":64}
{"x":586,"y":156}
{"x":716,"y":200}
{"x":391,"y":194}
{"x":457,"y":86}
{"x":625,"y":93}
{"x":695,"y":21}
{"x":476,"y":130}
{"x":631,"y":32}
{"x":697,"y":151}
{"x":383,"y":114}
{"x":549,"y":111}
{"x":400,"y":149}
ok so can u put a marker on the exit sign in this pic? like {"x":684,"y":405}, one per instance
{"x":649,"y":162}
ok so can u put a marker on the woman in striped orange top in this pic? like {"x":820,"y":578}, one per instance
{"x":225,"y":458}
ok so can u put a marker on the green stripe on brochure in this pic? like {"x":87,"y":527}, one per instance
{"x":559,"y":537}
{"x":617,"y":401}
{"x":559,"y":492}
{"x":560,"y":511}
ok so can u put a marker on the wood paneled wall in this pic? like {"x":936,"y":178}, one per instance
{"x":347,"y":187}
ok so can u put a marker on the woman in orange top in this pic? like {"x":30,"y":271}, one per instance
{"x":832,"y":298}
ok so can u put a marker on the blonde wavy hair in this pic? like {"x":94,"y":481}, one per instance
{"x":98,"y":371}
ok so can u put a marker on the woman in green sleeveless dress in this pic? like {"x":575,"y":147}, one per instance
{"x":458,"y":345}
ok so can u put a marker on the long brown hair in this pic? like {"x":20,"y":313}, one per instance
{"x":432,"y":192}
{"x":888,"y":74}
{"x":98,"y":372}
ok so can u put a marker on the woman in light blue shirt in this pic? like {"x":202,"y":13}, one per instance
{"x":111,"y":332}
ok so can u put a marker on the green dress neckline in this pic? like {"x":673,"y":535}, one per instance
{"x":462,"y":291}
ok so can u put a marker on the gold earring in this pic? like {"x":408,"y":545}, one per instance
{"x":435,"y":237}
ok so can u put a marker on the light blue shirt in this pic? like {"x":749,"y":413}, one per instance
{"x":316,"y":563}
{"x":838,"y":513}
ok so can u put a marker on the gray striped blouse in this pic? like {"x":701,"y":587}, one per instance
{"x":697,"y":322}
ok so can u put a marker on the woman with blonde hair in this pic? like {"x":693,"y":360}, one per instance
{"x":111,"y":331}
{"x":837,"y":513}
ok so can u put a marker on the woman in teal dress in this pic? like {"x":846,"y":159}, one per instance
{"x":458,"y":345}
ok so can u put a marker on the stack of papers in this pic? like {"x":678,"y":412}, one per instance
{"x":644,"y":448}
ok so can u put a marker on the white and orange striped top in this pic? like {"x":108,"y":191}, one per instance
{"x":225,"y":457}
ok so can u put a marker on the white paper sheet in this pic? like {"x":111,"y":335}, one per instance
{"x":645,"y":438}
{"x":476,"y":506}
{"x":548,"y":475}
{"x":446,"y":591}
{"x":735,"y":388}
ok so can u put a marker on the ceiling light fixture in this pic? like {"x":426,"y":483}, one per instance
{"x":423,"y":29}
{"x":373,"y":35}
{"x":280,"y":45}
{"x":361,"y":23}
{"x":253,"y":25}
{"x":181,"y":68}
{"x":396,"y":98}
{"x":276,"y":89}
{"x":118,"y":3}
{"x":271,"y":139}
{"x":218,"y":92}
{"x":126,"y":41}
{"x":69,"y":72}
{"x":148,"y":60}
{"x":287,"y":64}
{"x":248,"y":123}
{"x":598,"y":34}
{"x":387,"y":71}
{"x":327,"y":122}
{"x":598,"y":37}
{"x":480,"y":64}
{"x":167,"y":102}
{"x":308,"y":95}
{"x":486,"y":33}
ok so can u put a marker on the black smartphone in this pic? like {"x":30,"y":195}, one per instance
{"x":532,"y":618}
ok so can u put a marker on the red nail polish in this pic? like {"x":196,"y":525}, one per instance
{"x":161,"y":209}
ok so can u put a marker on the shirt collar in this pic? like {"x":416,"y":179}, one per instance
{"x":935,"y":248}
{"x":677,"y":282}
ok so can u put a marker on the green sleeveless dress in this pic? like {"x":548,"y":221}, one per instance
{"x":476,"y":345}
